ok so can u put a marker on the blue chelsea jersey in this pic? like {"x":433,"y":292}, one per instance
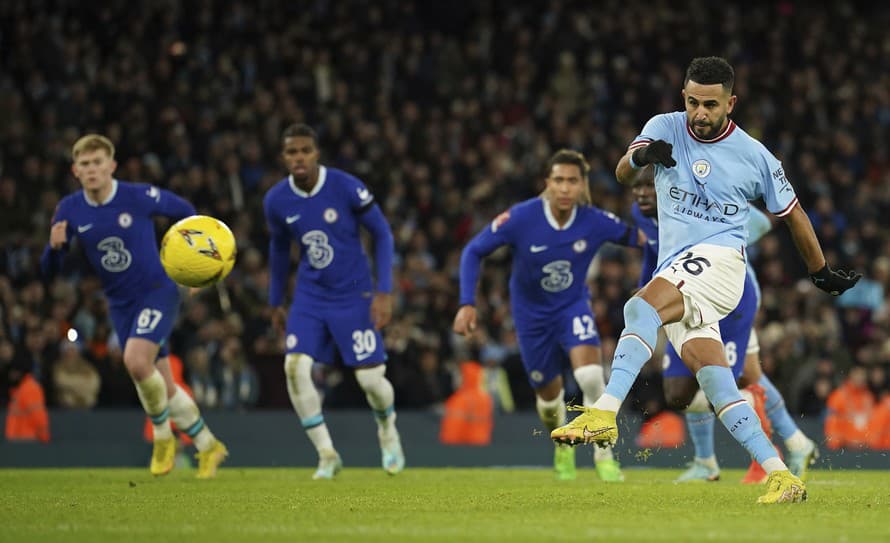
{"x":704,"y":198}
{"x":549,"y":262}
{"x":325,"y":222}
{"x":118,"y":235}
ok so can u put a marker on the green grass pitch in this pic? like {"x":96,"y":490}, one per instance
{"x":510,"y":505}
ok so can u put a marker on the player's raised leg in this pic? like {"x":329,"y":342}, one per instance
{"x":381,"y":398}
{"x":307,"y":403}
{"x":186,"y":415}
{"x":139,"y":358}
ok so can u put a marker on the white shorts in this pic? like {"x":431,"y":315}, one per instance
{"x":711,"y":279}
{"x":753,"y":344}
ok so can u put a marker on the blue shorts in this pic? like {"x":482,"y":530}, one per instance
{"x":150,"y":317}
{"x":735,"y":330}
{"x":317,"y":327}
{"x":545,"y":347}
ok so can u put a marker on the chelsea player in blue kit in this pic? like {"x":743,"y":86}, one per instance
{"x":707,"y":169}
{"x":681,"y":389}
{"x":112,"y":221}
{"x":553,"y":239}
{"x":335,"y":305}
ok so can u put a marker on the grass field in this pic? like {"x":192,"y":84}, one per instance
{"x":129,"y":506}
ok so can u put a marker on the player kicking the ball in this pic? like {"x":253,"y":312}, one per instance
{"x":706,"y":171}
{"x":335,"y":305}
{"x":112,"y":220}
{"x":553,"y":238}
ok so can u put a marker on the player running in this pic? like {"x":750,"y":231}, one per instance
{"x":553,"y":239}
{"x":682,"y":391}
{"x":112,"y":220}
{"x":335,"y":305}
{"x":702,"y":212}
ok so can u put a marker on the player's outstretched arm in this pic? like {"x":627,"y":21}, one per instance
{"x":834,"y":282}
{"x":658,"y":152}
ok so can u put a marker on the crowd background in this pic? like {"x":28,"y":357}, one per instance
{"x":448,"y":111}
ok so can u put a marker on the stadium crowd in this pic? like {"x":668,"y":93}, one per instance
{"x":447,"y":111}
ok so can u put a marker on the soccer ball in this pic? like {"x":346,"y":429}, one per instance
{"x":198,"y":251}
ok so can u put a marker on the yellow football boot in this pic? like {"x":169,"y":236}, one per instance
{"x":591,"y":426}
{"x":209,"y":460}
{"x":163,"y":457}
{"x":783,"y":487}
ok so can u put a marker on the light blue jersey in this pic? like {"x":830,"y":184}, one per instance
{"x":704,"y":198}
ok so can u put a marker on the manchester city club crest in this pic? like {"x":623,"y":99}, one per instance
{"x":701,"y":168}
{"x":125,"y":220}
{"x":330,"y":215}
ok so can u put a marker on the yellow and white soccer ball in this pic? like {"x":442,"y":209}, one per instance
{"x":198,"y":251}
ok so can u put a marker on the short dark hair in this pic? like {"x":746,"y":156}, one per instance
{"x":710,"y":71}
{"x":299,"y":130}
{"x":567,"y":156}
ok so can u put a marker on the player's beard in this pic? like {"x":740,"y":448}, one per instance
{"x":713,"y":129}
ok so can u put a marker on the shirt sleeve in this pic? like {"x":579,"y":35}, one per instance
{"x":279,"y":253}
{"x":167,"y":204}
{"x":360,"y":198}
{"x":657,"y":128}
{"x":777,"y":190}
{"x":51,"y":259}
{"x":497,"y":234}
{"x":384,"y":245}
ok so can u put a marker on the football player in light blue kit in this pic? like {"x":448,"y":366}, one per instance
{"x":553,"y":239}
{"x":335,"y":305}
{"x":681,"y":389}
{"x":707,"y":169}
{"x":113,"y":222}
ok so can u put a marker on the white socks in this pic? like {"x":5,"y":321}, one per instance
{"x":304,"y":397}
{"x":152,"y":393}
{"x":380,"y":396}
{"x":187,"y":417}
{"x":592,"y":382}
{"x":553,"y":412}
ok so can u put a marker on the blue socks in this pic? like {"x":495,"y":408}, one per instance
{"x":638,"y":339}
{"x":775,"y":409}
{"x":734,"y":412}
{"x":701,"y":430}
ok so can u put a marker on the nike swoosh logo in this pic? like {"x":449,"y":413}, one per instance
{"x":84,"y":227}
{"x":537,"y":248}
{"x":588,"y":433}
{"x":292,"y":219}
{"x":362,"y":356}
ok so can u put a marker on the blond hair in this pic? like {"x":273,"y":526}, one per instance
{"x":92,"y":142}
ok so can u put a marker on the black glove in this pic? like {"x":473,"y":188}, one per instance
{"x":657,"y":152}
{"x":835,"y":282}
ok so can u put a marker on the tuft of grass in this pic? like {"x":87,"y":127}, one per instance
{"x":509,"y":505}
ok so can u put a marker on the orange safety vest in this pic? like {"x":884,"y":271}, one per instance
{"x":879,"y":425}
{"x":469,"y":412}
{"x":27,"y":419}
{"x":849,"y":409}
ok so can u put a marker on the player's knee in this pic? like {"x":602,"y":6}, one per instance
{"x":642,"y":319}
{"x":369,"y":378}
{"x":298,"y":367}
{"x":678,"y":394}
{"x":139,"y":367}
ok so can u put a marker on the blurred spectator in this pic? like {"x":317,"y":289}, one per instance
{"x":849,"y":409}
{"x":27,"y":419}
{"x":469,"y":412}
{"x":238,"y":386}
{"x":76,"y":382}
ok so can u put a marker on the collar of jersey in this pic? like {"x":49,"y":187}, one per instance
{"x":552,"y":220}
{"x":322,"y":175}
{"x":102,"y":203}
{"x":730,"y":126}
